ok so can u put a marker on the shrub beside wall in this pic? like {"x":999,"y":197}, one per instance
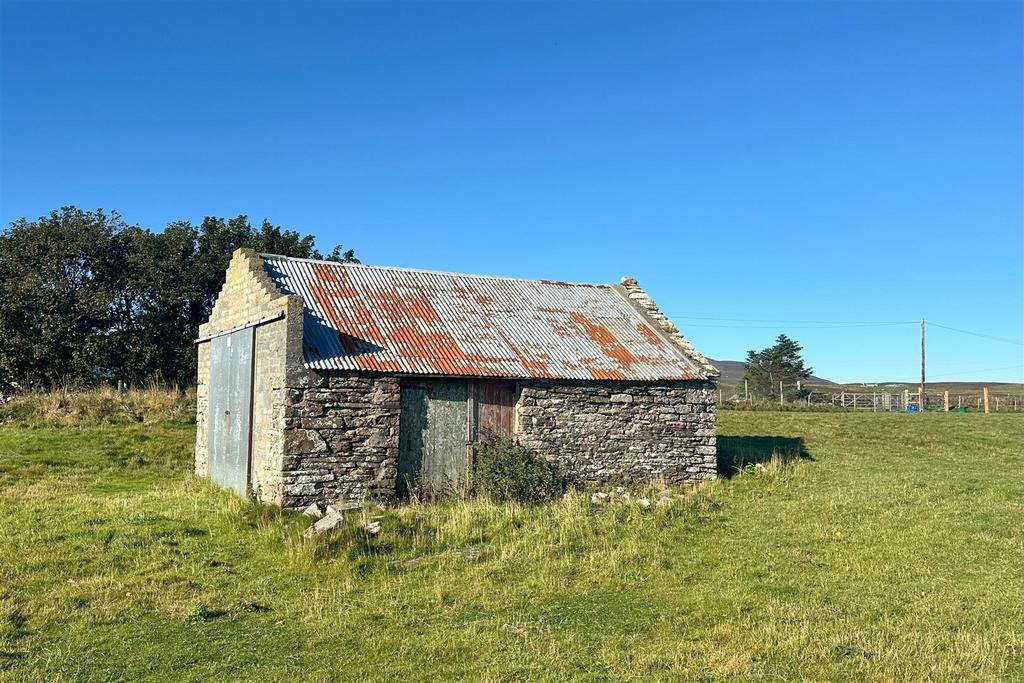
{"x":505,"y":470}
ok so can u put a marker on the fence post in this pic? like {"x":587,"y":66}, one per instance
{"x":984,"y":397}
{"x":780,"y":393}
{"x":997,"y":404}
{"x":842,"y":399}
{"x":906,"y":399}
{"x":746,"y":392}
{"x":959,"y":403}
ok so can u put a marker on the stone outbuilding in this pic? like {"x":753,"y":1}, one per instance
{"x":322,"y":381}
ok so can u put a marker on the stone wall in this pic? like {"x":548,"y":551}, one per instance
{"x":342,"y":432}
{"x":341,"y":439}
{"x":632,"y":433}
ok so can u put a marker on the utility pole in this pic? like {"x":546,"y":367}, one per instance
{"x":920,"y":396}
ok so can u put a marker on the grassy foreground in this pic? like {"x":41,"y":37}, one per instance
{"x":896,"y":552}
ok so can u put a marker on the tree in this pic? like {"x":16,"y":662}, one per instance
{"x":58,"y":276}
{"x":86,"y":297}
{"x":779,"y":363}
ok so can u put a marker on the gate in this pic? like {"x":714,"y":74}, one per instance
{"x":230,"y":409}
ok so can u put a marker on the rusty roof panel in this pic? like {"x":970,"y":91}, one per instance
{"x":422,"y":322}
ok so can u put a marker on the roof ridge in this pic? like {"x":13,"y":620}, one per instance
{"x":279,"y":257}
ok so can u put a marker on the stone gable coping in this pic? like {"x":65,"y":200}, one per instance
{"x":245,"y":272}
{"x":642,"y":301}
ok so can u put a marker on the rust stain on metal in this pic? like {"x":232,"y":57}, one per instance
{"x":560,"y":330}
{"x":351,"y":320}
{"x":422,"y":322}
{"x":610,"y":346}
{"x":649,"y":334}
{"x":685,"y":371}
{"x":535,"y":368}
{"x":335,"y":279}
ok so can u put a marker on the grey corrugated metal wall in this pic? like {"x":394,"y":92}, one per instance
{"x":230,"y":400}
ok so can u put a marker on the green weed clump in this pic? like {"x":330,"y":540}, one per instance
{"x":508,"y":471}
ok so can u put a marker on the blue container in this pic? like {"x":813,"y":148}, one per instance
{"x":912,"y":408}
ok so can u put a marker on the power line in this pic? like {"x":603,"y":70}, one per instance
{"x":972,"y":372}
{"x":840,"y":326}
{"x":1016,"y":342}
{"x":827,"y":325}
{"x":817,"y":322}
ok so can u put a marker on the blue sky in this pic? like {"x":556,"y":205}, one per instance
{"x":753,"y":163}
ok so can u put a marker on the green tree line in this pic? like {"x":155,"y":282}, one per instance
{"x":87,"y":298}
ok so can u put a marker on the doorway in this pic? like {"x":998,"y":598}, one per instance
{"x":230,"y":409}
{"x":440,"y":421}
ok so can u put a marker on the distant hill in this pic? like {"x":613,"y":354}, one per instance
{"x":732,"y":373}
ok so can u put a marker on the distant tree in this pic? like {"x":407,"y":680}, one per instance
{"x":779,"y":363}
{"x":86,"y":297}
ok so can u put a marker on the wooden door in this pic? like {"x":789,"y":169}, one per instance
{"x":230,"y":409}
{"x":433,"y":427}
{"x":494,"y":408}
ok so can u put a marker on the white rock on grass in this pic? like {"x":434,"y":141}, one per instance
{"x":331,"y":520}
{"x":342,"y":508}
{"x":372,"y":529}
{"x":314,"y":511}
{"x":600,"y":498}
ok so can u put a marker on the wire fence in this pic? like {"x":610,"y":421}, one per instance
{"x":890,"y":401}
{"x":909,"y":401}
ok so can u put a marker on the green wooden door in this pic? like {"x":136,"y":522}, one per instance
{"x":433,"y":455}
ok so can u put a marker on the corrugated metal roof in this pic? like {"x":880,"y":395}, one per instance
{"x":423,"y":322}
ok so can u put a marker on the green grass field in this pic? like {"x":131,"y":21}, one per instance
{"x":893,"y":551}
